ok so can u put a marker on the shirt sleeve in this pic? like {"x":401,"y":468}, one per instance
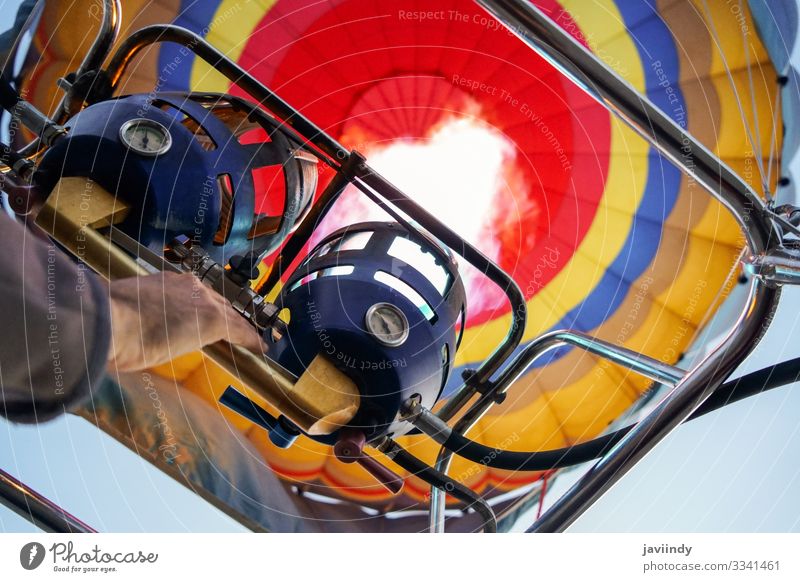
{"x":54,"y":316}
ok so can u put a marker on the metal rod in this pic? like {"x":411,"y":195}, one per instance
{"x":639,"y":363}
{"x":644,"y":365}
{"x":697,"y":162}
{"x":110,"y":23}
{"x":472,"y":255}
{"x":37,"y":508}
{"x":334,"y":152}
{"x":440,"y":482}
{"x":591,"y":74}
{"x":302,"y":235}
{"x":336,"y":156}
{"x":678,"y":405}
{"x":93,"y":61}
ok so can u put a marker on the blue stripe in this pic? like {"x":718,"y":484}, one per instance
{"x":655,"y":46}
{"x":174,"y":61}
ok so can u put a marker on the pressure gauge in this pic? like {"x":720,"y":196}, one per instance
{"x":387,"y":324}
{"x":145,"y":137}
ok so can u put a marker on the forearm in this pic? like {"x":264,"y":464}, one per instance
{"x":64,"y":326}
{"x":157,"y":318}
{"x":54,"y":315}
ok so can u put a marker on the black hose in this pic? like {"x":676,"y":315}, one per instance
{"x":750,"y":384}
{"x":728,"y":393}
{"x":441,"y":481}
{"x":8,"y":96}
{"x":8,"y":156}
{"x":8,"y":101}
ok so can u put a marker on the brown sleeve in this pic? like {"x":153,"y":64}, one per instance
{"x":55,"y":326}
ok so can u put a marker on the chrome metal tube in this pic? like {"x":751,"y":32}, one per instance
{"x":331,"y":151}
{"x":371,"y":183}
{"x":639,"y":363}
{"x":696,"y":161}
{"x":439,"y":481}
{"x":110,"y":22}
{"x":37,"y":508}
{"x":674,"y":409}
{"x":587,"y":71}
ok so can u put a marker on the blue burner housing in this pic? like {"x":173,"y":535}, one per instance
{"x":329,"y":295}
{"x":202,"y":187}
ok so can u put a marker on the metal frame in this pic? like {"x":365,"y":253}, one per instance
{"x":592,"y":75}
{"x":13,"y":493}
{"x":689,"y":390}
{"x":356,"y":171}
{"x":110,"y":24}
{"x":351,"y":168}
{"x":648,"y":367}
{"x":690,"y":156}
{"x":93,"y":61}
{"x":37,"y":508}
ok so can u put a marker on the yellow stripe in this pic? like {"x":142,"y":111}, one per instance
{"x":229,"y":31}
{"x":736,"y":37}
{"x":627,"y":177}
{"x":625,"y":184}
{"x":736,"y":46}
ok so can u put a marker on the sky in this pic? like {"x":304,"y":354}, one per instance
{"x":735,"y":470}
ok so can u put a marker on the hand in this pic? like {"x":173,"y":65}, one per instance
{"x":156,"y":318}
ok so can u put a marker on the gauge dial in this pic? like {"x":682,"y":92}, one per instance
{"x":145,"y":137}
{"x":387,"y":324}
